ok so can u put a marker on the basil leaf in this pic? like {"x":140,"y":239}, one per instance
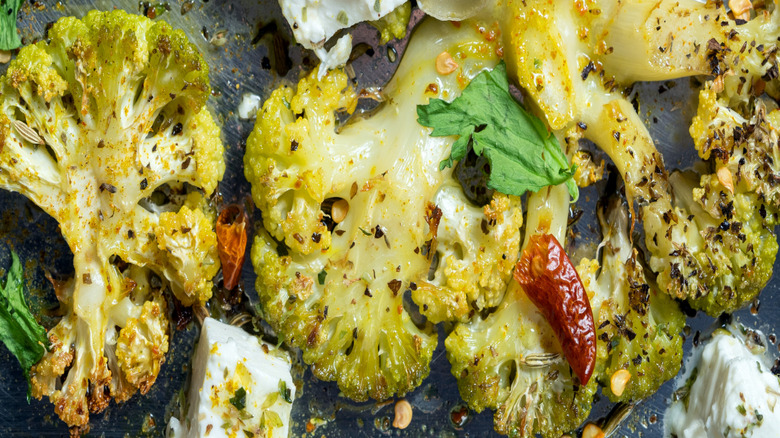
{"x":19,"y":330}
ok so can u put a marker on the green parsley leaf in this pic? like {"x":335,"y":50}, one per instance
{"x":741,"y":409}
{"x":523,"y":155}
{"x":9,"y":39}
{"x":19,"y":330}
{"x":239,"y":399}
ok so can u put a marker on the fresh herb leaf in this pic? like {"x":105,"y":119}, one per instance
{"x":365,"y":233}
{"x":321,"y":277}
{"x":19,"y":330}
{"x":284,"y":391}
{"x":239,"y":399}
{"x":9,"y":39}
{"x":523,"y":155}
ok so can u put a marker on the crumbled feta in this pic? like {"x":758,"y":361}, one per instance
{"x":732,"y":394}
{"x":238,"y":385}
{"x":337,"y":56}
{"x":314,"y":21}
{"x":249,"y":105}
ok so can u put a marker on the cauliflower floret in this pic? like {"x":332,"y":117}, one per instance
{"x":352,"y":220}
{"x":142,"y":345}
{"x":104,"y":126}
{"x":394,"y":24}
{"x":192,"y":253}
{"x":738,"y":248}
{"x":743,"y":146}
{"x":476,"y":249}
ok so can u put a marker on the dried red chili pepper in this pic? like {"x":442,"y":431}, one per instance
{"x":553,"y":285}
{"x":231,"y":243}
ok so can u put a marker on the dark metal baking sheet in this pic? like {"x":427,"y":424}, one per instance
{"x":248,"y":64}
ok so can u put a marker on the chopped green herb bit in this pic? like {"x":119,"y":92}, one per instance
{"x":270,"y":400}
{"x":239,"y":399}
{"x":321,"y":277}
{"x":271,"y":420}
{"x":342,"y":18}
{"x":285,"y":392}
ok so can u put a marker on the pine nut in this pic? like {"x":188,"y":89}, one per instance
{"x":403,"y":414}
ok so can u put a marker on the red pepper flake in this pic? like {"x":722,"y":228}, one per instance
{"x":231,"y":243}
{"x":553,"y":285}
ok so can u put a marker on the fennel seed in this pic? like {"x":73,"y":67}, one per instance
{"x":201,"y":312}
{"x":27,"y":133}
{"x":540,"y":360}
{"x":616,"y":418}
{"x":241,"y":319}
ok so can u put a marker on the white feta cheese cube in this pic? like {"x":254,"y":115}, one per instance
{"x":238,"y":384}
